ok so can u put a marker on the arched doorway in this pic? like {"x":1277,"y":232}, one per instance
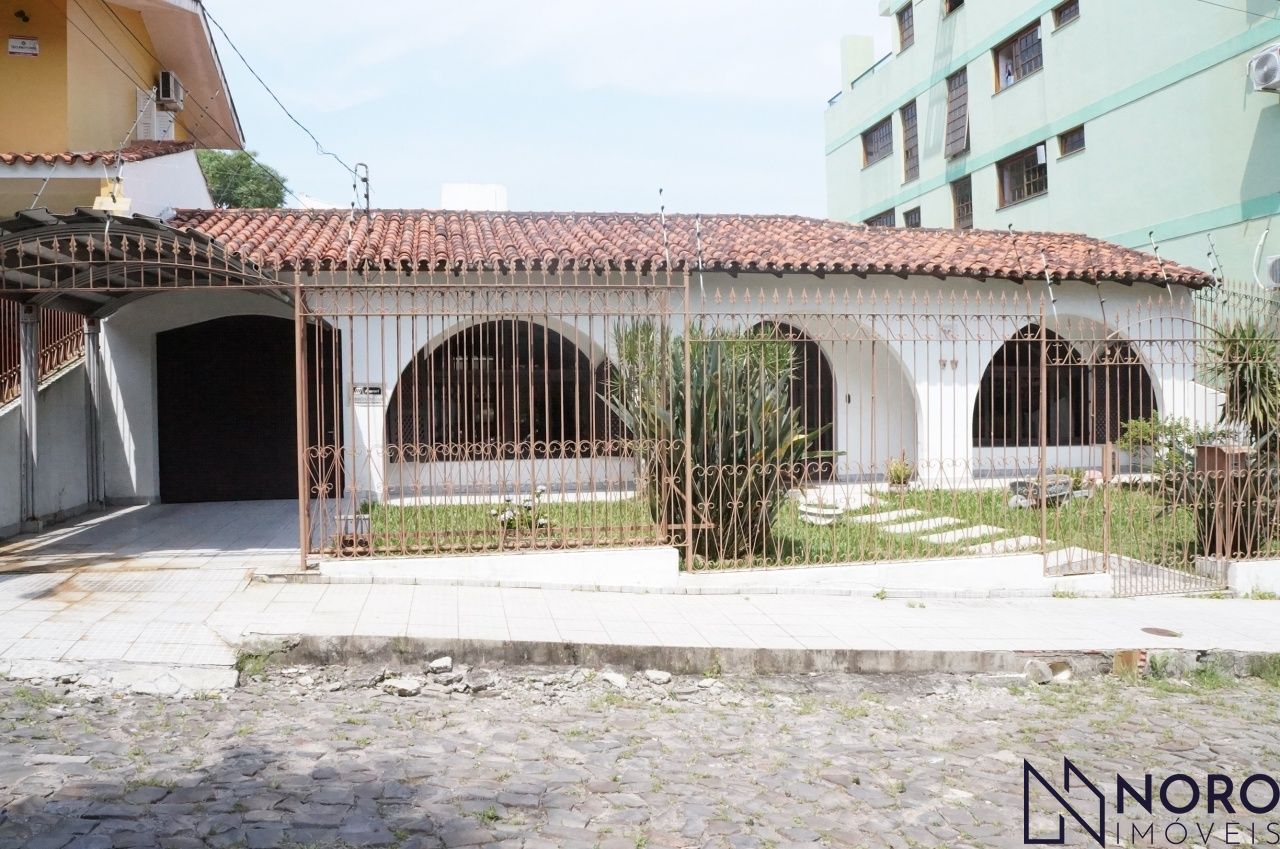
{"x":497,"y":390}
{"x":812,"y":390}
{"x":226,"y":408}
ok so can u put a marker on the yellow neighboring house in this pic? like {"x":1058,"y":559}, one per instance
{"x":103,"y":103}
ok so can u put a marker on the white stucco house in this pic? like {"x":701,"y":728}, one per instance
{"x":449,"y":353}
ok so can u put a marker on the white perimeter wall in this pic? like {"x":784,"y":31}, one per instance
{"x":62,"y":486}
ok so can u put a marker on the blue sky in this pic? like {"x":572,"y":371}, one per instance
{"x":572,"y":104}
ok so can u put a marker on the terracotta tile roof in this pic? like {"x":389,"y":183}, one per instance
{"x":291,"y":240}
{"x":135,"y":152}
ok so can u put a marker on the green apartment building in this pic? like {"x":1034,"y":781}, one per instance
{"x":1130,"y":120}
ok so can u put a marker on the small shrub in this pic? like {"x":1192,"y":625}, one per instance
{"x":526,"y":515}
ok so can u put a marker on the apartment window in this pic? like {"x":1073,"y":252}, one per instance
{"x":962,"y":202}
{"x":951,"y":5}
{"x":957,"y":113}
{"x":1018,"y":57}
{"x":877,"y":142}
{"x":1023,"y":175}
{"x":1066,"y":13}
{"x":1071,"y":141}
{"x":911,"y":218}
{"x":884,"y":219}
{"x":906,"y":27}
{"x":910,"y":144}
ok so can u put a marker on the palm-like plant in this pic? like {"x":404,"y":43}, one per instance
{"x":1237,"y":515}
{"x":714,"y":431}
{"x":1244,"y":362}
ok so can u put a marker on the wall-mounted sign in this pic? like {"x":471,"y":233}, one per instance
{"x":22,"y":45}
{"x":368,"y":394}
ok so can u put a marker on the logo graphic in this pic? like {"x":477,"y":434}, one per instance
{"x":1095,"y":826}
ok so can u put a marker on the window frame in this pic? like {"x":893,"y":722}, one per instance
{"x":870,"y":137}
{"x":967,"y":183}
{"x":951,"y":6}
{"x":1027,"y":178}
{"x":888,"y":218}
{"x":906,"y":25}
{"x":1058,"y":22}
{"x":1019,"y":60}
{"x":909,"y":215}
{"x":1062,"y":138}
{"x":957,"y":93}
{"x":910,"y":142}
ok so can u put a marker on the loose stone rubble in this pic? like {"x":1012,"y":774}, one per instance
{"x":429,"y":756}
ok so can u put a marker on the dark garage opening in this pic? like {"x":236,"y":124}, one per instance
{"x":226,"y":408}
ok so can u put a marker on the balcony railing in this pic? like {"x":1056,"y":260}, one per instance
{"x":61,"y":344}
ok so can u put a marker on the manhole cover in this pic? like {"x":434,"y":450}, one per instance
{"x":1161,"y":632}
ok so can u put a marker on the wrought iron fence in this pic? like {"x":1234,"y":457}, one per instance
{"x":807,"y":425}
{"x":61,"y":344}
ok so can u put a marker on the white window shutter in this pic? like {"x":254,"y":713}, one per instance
{"x":146,"y":129}
{"x":165,"y":123}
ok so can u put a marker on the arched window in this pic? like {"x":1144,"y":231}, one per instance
{"x":1085,"y":403}
{"x":1122,"y":390}
{"x":497,"y":390}
{"x":1010,"y":411}
{"x":812,"y":389}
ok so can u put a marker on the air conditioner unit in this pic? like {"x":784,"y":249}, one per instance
{"x":1272,"y":280}
{"x":171,"y":94}
{"x":1264,"y":69}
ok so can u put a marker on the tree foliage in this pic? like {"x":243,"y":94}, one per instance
{"x":237,"y":180}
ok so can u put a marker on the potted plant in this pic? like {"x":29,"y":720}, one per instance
{"x":899,"y":474}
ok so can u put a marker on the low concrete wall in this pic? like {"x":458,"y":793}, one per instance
{"x":985,"y":575}
{"x":657,"y":566}
{"x":10,"y":469}
{"x":1249,"y":576}
{"x":62,"y":485}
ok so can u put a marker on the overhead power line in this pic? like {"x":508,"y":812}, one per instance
{"x":320,"y":149}
{"x":1241,"y":11}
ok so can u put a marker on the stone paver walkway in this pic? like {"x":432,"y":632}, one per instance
{"x":820,"y":506}
{"x":562,"y":759}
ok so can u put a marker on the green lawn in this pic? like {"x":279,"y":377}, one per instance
{"x":471,"y":527}
{"x":1141,"y":526}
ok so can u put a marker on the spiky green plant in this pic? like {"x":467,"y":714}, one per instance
{"x":1244,"y":363}
{"x":715,"y":433}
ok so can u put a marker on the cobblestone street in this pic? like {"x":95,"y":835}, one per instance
{"x":569,"y":758}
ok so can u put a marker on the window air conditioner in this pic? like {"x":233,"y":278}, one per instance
{"x":1264,"y":69}
{"x":170,"y":94}
{"x":1272,"y":280}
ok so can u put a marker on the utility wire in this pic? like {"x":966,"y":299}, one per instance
{"x":143,"y":84}
{"x":320,"y":149}
{"x":1241,"y":11}
{"x":145,"y":49}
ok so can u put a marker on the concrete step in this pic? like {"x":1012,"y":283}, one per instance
{"x":1006,"y":546}
{"x":962,"y":534}
{"x":922,"y":525}
{"x":887,"y":516}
